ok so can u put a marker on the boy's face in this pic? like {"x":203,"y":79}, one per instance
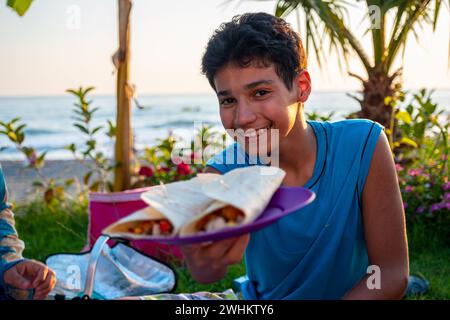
{"x":253,"y":99}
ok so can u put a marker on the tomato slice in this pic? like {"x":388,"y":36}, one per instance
{"x":165,"y":226}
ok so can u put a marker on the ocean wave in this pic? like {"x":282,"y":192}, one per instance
{"x":179,"y":124}
{"x":32,"y":131}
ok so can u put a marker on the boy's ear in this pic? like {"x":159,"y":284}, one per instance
{"x":303,"y":82}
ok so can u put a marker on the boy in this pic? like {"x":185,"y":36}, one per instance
{"x":353,"y":234}
{"x":16,"y":272}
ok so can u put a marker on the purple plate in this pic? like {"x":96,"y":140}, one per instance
{"x":284,"y":201}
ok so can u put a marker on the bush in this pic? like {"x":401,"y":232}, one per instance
{"x":422,"y":153}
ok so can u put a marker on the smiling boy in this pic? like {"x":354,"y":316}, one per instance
{"x":257,"y":67}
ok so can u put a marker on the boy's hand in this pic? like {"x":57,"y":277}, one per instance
{"x":31,"y":274}
{"x":208,"y":262}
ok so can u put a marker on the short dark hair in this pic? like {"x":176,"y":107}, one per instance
{"x":259,"y":38}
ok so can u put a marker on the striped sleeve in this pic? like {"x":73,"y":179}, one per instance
{"x":11,"y":247}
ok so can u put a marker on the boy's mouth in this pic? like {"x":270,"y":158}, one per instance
{"x":253,"y":133}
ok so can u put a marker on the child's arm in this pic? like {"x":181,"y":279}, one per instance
{"x":384,"y":228}
{"x":16,"y":271}
{"x":11,"y":246}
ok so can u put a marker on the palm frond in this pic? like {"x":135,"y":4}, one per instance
{"x":330,"y":16}
{"x":409,"y":15}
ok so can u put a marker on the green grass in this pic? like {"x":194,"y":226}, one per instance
{"x":63,"y":229}
{"x":45,"y":230}
{"x":429,"y":255}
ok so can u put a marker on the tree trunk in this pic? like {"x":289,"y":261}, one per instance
{"x":124,"y":137}
{"x":376,"y":89}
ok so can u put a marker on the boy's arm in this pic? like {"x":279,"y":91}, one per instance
{"x":11,"y":246}
{"x":384,"y":228}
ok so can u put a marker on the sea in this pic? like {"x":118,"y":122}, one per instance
{"x":49,"y":119}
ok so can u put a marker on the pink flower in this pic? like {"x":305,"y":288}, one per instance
{"x":446,"y":186}
{"x":409,"y":189}
{"x":176,"y":159}
{"x":420,"y":209}
{"x":398,"y":167}
{"x":415,"y":172}
{"x":183,"y":169}
{"x":405,"y":205}
{"x":447,"y":196}
{"x":436,"y":206}
{"x":146,"y":171}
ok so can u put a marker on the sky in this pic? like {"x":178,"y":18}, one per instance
{"x":62,"y":44}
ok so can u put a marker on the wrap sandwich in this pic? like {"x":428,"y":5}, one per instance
{"x":206,"y":203}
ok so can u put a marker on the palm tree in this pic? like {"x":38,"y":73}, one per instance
{"x":326,"y":19}
{"x":124,"y":92}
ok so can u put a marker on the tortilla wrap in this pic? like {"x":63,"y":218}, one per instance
{"x":176,"y":202}
{"x":247,"y":189}
{"x":184,"y":203}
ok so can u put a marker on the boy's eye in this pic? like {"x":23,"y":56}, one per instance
{"x":226,"y":102}
{"x":261,"y":93}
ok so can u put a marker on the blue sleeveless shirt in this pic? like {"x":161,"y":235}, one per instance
{"x":318,"y":252}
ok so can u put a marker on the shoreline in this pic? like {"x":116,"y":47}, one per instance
{"x":19,"y":179}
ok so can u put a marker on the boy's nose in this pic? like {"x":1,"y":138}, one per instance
{"x":244,"y":116}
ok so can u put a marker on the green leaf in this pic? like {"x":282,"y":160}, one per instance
{"x":71,"y":147}
{"x":37,"y":184}
{"x":409,"y":142}
{"x":12,"y":136}
{"x":59,"y":192}
{"x":20,"y":137}
{"x":96,"y":130}
{"x":83,"y":129}
{"x":404,"y":116}
{"x":42,"y":156}
{"x":14,"y":120}
{"x":86,"y":177}
{"x":95,"y":186}
{"x":387,"y":100}
{"x":70,"y":182}
{"x":87,"y":90}
{"x":20,"y":6}
{"x":20,"y":128}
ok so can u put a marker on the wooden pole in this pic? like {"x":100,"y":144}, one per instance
{"x":124,"y":137}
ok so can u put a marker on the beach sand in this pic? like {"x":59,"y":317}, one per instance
{"x":19,"y":179}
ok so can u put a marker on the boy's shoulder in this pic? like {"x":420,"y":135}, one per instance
{"x":350,"y":137}
{"x":352,"y":124}
{"x":351,"y":129}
